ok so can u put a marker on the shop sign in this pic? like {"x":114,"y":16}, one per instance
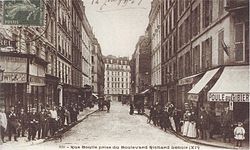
{"x":14,"y":77}
{"x":35,"y":80}
{"x":226,"y":97}
{"x":193,"y":97}
{"x":186,"y":81}
{"x":23,"y":12}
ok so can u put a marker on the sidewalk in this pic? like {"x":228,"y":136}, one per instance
{"x":23,"y":141}
{"x":217,"y":142}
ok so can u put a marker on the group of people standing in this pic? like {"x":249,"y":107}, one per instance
{"x":33,"y":124}
{"x":195,"y":123}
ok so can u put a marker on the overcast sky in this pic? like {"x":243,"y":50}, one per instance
{"x":118,"y":27}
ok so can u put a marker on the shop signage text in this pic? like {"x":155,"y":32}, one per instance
{"x":36,"y":80}
{"x":226,"y":97}
{"x":186,"y":81}
{"x":11,"y":77}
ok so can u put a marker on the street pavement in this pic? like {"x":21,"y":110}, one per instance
{"x":116,"y":130}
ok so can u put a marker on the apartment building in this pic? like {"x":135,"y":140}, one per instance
{"x":117,"y":77}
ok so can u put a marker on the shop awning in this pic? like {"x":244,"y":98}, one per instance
{"x":233,"y":85}
{"x":203,"y":81}
{"x":188,"y":80}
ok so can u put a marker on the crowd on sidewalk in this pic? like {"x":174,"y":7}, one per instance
{"x":33,"y":124}
{"x":200,"y":124}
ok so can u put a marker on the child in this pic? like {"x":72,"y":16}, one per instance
{"x":239,"y":134}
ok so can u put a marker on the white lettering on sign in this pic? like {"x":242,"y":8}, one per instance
{"x":11,"y":77}
{"x":226,"y":97}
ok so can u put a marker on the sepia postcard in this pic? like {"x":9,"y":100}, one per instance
{"x":124,"y":74}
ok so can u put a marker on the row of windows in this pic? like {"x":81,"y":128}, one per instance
{"x":117,"y":85}
{"x":117,"y":79}
{"x":114,"y":61}
{"x":114,"y":66}
{"x":117,"y":73}
{"x":116,"y":91}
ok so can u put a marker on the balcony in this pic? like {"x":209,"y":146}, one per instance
{"x":236,"y":5}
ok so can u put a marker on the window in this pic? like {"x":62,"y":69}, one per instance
{"x":196,"y":59}
{"x":220,"y":48}
{"x":181,"y":6}
{"x":207,"y":12}
{"x":181,"y":67}
{"x":221,"y":7}
{"x":196,"y":21}
{"x":207,"y":54}
{"x":187,"y":64}
{"x":239,"y":41}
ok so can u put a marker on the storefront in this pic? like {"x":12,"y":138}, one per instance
{"x":197,"y":95}
{"x":22,"y":80}
{"x":185,"y":85}
{"x":232,"y":90}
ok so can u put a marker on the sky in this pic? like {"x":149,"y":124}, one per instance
{"x":118,"y":26}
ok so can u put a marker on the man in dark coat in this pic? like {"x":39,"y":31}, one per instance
{"x":33,"y":124}
{"x":22,"y":117}
{"x":12,"y":123}
{"x":226,"y":121}
{"x":61,"y":117}
{"x":203,"y":124}
{"x":43,"y":124}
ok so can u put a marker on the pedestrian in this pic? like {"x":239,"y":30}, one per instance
{"x":226,"y":122}
{"x":33,"y":124}
{"x":177,"y":119}
{"x":22,"y":117}
{"x":166,"y":121}
{"x":171,"y":118}
{"x":61,"y":117}
{"x":192,"y":132}
{"x":43,"y":124}
{"x":67,"y":119}
{"x":186,"y":118}
{"x":53,"y":121}
{"x":3,"y":124}
{"x":12,"y":123}
{"x":212,"y":122}
{"x":204,"y":123}
{"x":239,"y":134}
{"x":131,"y":109}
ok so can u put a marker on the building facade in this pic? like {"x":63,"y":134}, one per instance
{"x":47,"y":65}
{"x":205,"y":50}
{"x":97,"y":69}
{"x":169,"y":50}
{"x":142,"y":71}
{"x":117,"y":77}
{"x":155,"y":36}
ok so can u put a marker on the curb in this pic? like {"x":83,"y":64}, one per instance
{"x":60,"y":133}
{"x":194,"y":142}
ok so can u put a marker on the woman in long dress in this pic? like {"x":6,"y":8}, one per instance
{"x":186,"y":118}
{"x":192,"y":133}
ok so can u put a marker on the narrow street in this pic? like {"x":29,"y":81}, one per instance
{"x":116,"y":128}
